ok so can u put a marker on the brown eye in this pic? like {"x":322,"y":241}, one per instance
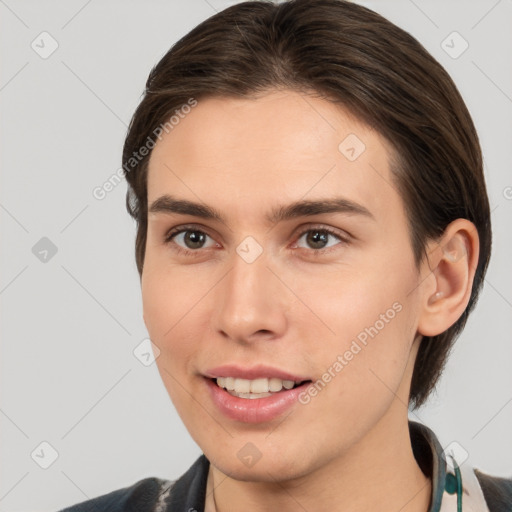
{"x":194,"y":239}
{"x":188,"y":239}
{"x":317,"y":239}
{"x":320,"y":238}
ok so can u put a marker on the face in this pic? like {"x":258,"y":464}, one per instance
{"x":239,"y":283}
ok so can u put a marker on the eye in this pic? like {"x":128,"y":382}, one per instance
{"x":321,"y":238}
{"x":189,"y":239}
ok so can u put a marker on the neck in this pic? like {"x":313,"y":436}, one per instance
{"x":379,"y":473}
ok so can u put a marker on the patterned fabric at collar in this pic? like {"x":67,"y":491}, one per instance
{"x":454,"y":484}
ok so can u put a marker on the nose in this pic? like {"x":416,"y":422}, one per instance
{"x":250,"y":302}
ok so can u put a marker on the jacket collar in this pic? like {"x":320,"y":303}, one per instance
{"x":429,"y":455}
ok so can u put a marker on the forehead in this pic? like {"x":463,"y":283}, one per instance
{"x":283,"y":146}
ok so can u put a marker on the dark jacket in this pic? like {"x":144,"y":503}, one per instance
{"x":187,"y":494}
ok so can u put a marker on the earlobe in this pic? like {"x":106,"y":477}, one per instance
{"x":453,"y":261}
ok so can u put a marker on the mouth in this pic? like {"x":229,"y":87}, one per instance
{"x":256,"y":394}
{"x":258,"y":400}
{"x":256,"y":388}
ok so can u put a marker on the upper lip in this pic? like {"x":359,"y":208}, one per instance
{"x":251,"y":373}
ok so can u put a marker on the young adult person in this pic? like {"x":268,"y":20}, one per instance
{"x":313,"y":230}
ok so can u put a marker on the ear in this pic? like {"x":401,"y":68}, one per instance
{"x":447,"y":289}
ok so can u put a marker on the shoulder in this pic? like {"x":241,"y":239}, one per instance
{"x":144,"y":496}
{"x":497,"y":491}
{"x":154,"y":494}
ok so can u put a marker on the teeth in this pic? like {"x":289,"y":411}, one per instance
{"x":229,"y":383}
{"x":275,"y":384}
{"x":242,"y":386}
{"x":249,"y":395}
{"x":258,"y":386}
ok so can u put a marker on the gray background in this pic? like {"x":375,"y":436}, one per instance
{"x":70,"y":324}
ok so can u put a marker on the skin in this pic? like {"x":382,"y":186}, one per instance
{"x":296,"y":306}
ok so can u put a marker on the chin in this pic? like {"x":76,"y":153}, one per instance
{"x":260,"y":472}
{"x":269,"y":469}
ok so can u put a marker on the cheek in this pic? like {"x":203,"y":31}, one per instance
{"x":169,"y":293}
{"x":157,"y":301}
{"x":350,"y":299}
{"x":367,"y":328}
{"x":167,"y":304}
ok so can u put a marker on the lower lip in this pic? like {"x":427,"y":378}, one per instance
{"x":254,"y":410}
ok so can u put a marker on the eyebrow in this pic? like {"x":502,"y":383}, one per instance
{"x":303,"y":208}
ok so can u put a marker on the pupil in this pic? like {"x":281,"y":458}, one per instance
{"x":194,"y":239}
{"x":317,"y":237}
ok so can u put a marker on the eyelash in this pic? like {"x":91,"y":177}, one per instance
{"x":168,"y":240}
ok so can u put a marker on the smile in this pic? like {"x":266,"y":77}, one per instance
{"x":255,"y":388}
{"x":250,"y":407}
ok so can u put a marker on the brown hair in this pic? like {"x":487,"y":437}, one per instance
{"x":353,"y":57}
